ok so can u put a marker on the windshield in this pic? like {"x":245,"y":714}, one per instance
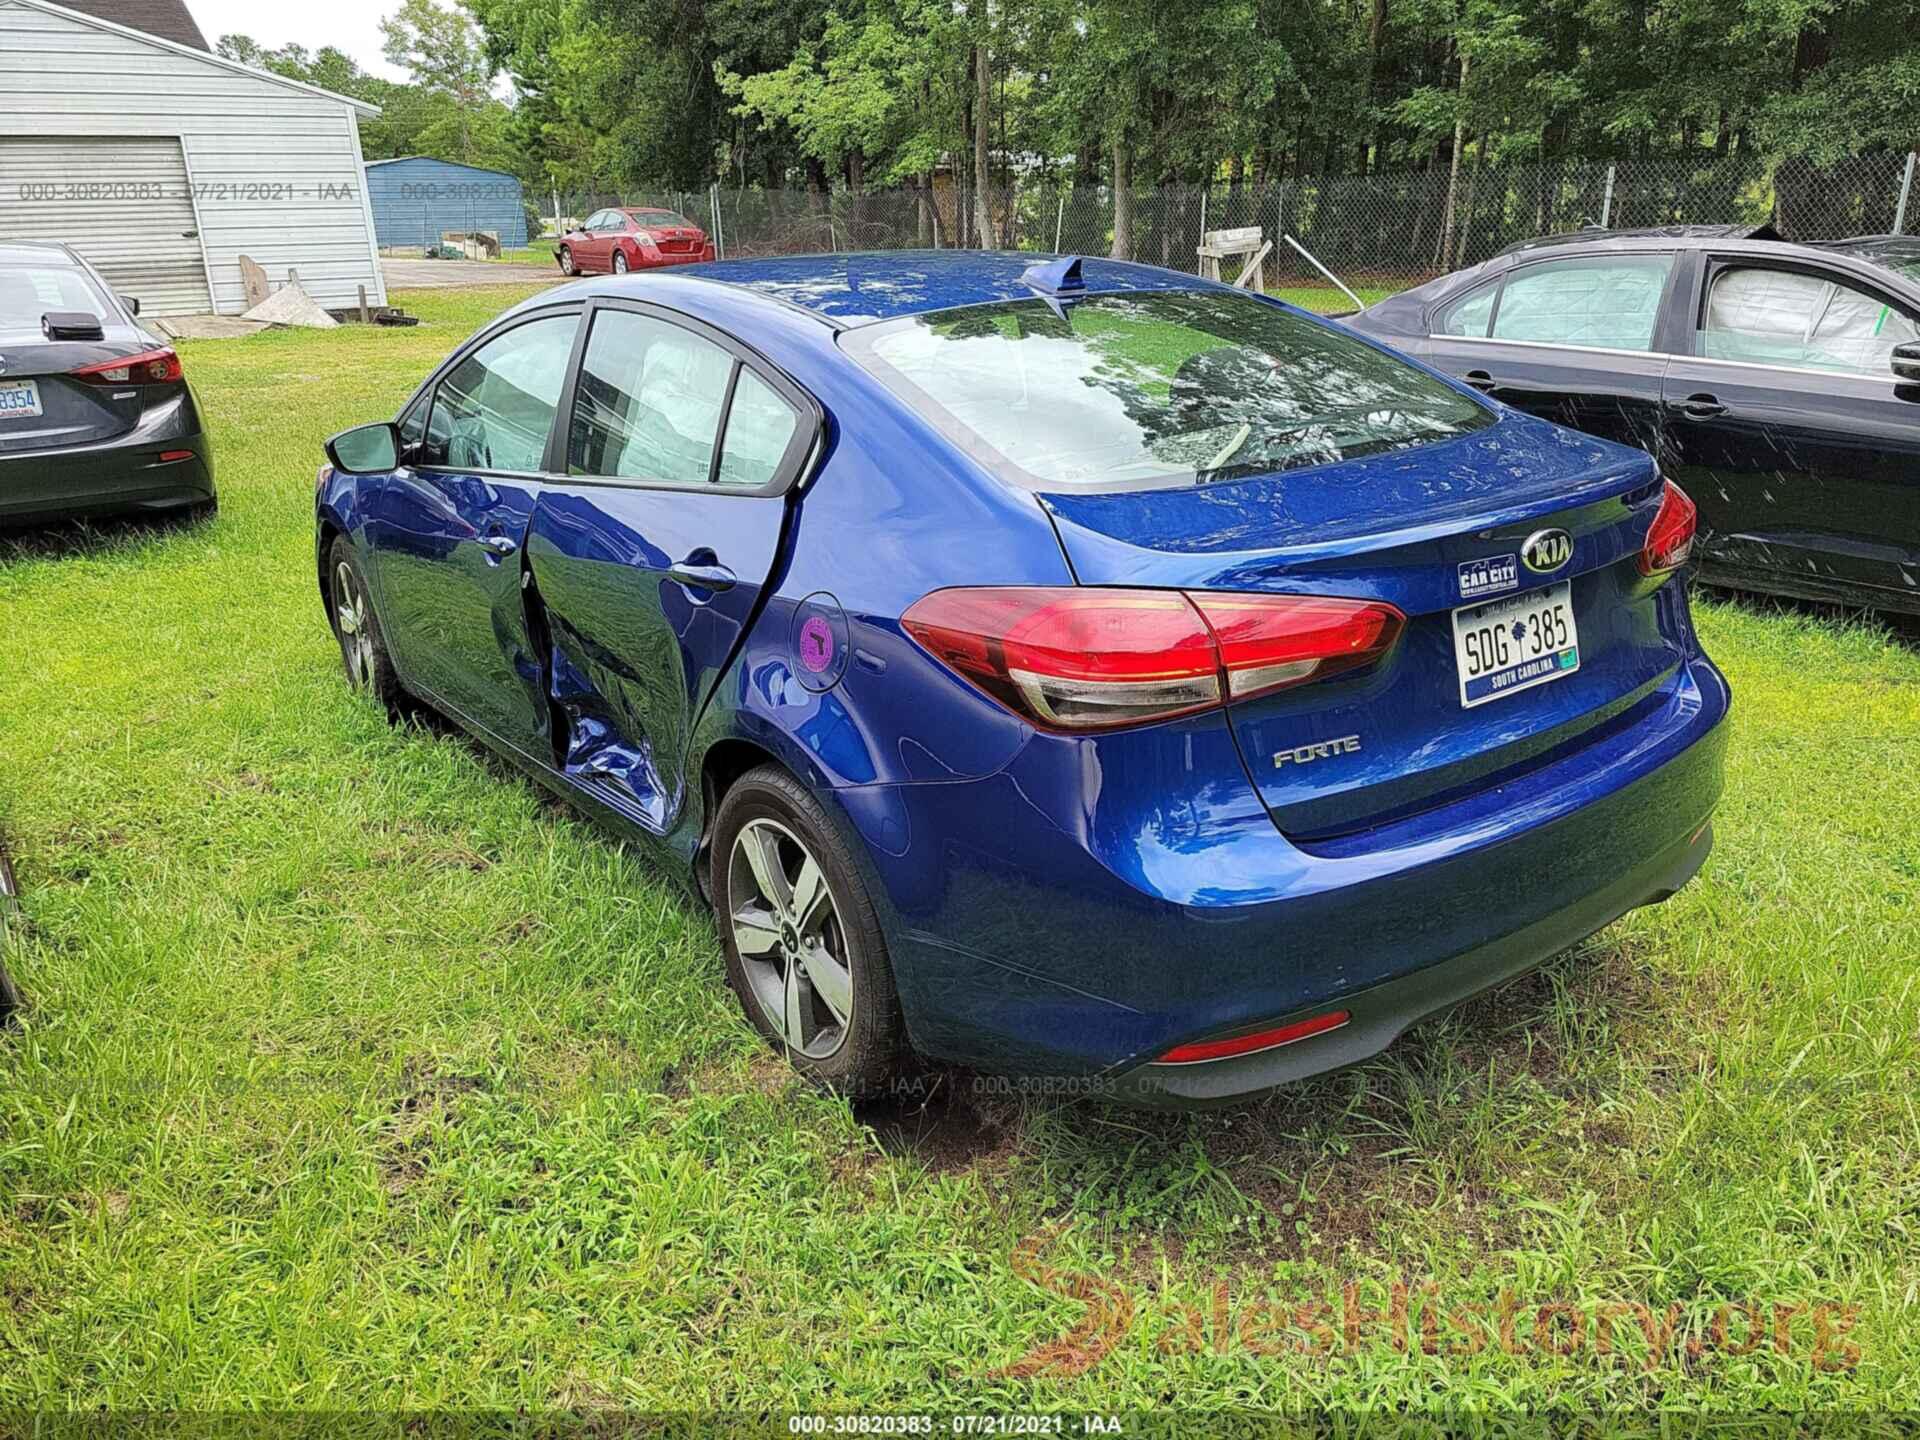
{"x":1155,"y":388}
{"x":29,"y":291}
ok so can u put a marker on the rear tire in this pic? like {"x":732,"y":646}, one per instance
{"x":363,"y":644}
{"x":807,"y":960}
{"x":566,"y":261}
{"x":619,"y":262}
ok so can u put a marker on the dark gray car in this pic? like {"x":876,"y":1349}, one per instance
{"x":1777,"y":384}
{"x":96,"y":416}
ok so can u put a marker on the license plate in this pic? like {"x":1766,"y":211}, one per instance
{"x":19,"y":398}
{"x":1515,"y":643}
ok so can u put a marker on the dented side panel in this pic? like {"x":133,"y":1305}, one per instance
{"x":634,"y":652}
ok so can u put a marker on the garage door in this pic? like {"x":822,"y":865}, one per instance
{"x":121,"y":202}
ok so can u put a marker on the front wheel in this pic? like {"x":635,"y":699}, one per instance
{"x":804,"y":948}
{"x":566,"y":261}
{"x":619,"y":262}
{"x":363,"y":645}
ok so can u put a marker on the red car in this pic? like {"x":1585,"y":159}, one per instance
{"x":617,"y":241}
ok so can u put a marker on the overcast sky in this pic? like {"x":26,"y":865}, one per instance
{"x":349,"y":25}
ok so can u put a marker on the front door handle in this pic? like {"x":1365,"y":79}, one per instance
{"x":1479,"y":379}
{"x":715,"y":578}
{"x":1701,"y":407}
{"x":499,"y":546}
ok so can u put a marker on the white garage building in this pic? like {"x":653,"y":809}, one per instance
{"x":122,"y":135}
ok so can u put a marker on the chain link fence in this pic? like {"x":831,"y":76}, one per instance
{"x":1377,"y":233}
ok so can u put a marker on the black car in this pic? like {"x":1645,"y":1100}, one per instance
{"x":1777,"y":383}
{"x":96,"y":415}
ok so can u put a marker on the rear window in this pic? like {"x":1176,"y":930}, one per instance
{"x":1155,"y":389}
{"x":661,"y":218}
{"x":29,"y":291}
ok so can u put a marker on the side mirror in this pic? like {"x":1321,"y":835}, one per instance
{"x":365,"y":449}
{"x":1906,"y":361}
{"x":133,"y":303}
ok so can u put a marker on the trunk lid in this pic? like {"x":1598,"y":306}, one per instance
{"x":72,"y":412}
{"x":1411,"y":528}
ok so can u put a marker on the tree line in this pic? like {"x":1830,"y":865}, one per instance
{"x":1128,"y":94}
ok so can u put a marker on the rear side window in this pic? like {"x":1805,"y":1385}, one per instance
{"x":495,"y":409}
{"x":648,"y":403}
{"x":28,"y":292}
{"x":1470,"y":315}
{"x":1609,"y":302}
{"x":760,"y":426}
{"x":1155,"y":388}
{"x":1805,"y":321}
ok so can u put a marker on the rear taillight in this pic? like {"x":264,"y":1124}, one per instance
{"x":150,"y":367}
{"x":1090,"y":659}
{"x":1205,"y":1050}
{"x":1670,"y":538}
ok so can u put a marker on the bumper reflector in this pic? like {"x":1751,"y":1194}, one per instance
{"x":1204,"y":1050}
{"x":168,"y":457}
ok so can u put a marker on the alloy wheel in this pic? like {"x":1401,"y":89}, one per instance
{"x":351,"y":617}
{"x":566,"y":261}
{"x":791,"y":942}
{"x":619,"y":263}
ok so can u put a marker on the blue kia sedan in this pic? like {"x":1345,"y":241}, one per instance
{"x":1067,"y":669}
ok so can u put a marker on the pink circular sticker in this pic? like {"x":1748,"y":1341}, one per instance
{"x":816,"y":644}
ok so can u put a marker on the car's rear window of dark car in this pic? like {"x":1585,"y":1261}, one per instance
{"x":1150,"y":389}
{"x":29,"y":291}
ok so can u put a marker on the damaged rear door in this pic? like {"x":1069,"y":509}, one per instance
{"x":651,"y":557}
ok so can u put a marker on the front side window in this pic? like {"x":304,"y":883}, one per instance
{"x":1155,"y":388}
{"x":648,"y":403}
{"x":1609,"y":302}
{"x":495,"y":408}
{"x":1802,"y":320}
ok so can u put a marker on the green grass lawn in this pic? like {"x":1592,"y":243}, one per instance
{"x":358,"y":1074}
{"x":538,"y":253}
{"x":1325,"y":299}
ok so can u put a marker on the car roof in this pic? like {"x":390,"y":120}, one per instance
{"x":862,"y":288}
{"x":1741,"y":239}
{"x":1602,"y":239}
{"x":25,"y":252}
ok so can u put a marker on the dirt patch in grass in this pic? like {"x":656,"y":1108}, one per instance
{"x":416,"y":844}
{"x":763,"y":1072}
{"x":944,"y":1122}
{"x":428,"y":1100}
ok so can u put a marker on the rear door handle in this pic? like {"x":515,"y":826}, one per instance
{"x":703,"y":577}
{"x":1701,"y":407}
{"x":1479,"y":379}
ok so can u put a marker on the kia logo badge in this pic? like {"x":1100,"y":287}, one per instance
{"x":1546,"y":551}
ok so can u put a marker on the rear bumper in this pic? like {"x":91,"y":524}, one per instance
{"x":1032,"y":934}
{"x":1380,"y":1015}
{"x":663,"y":261}
{"x":122,"y":476}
